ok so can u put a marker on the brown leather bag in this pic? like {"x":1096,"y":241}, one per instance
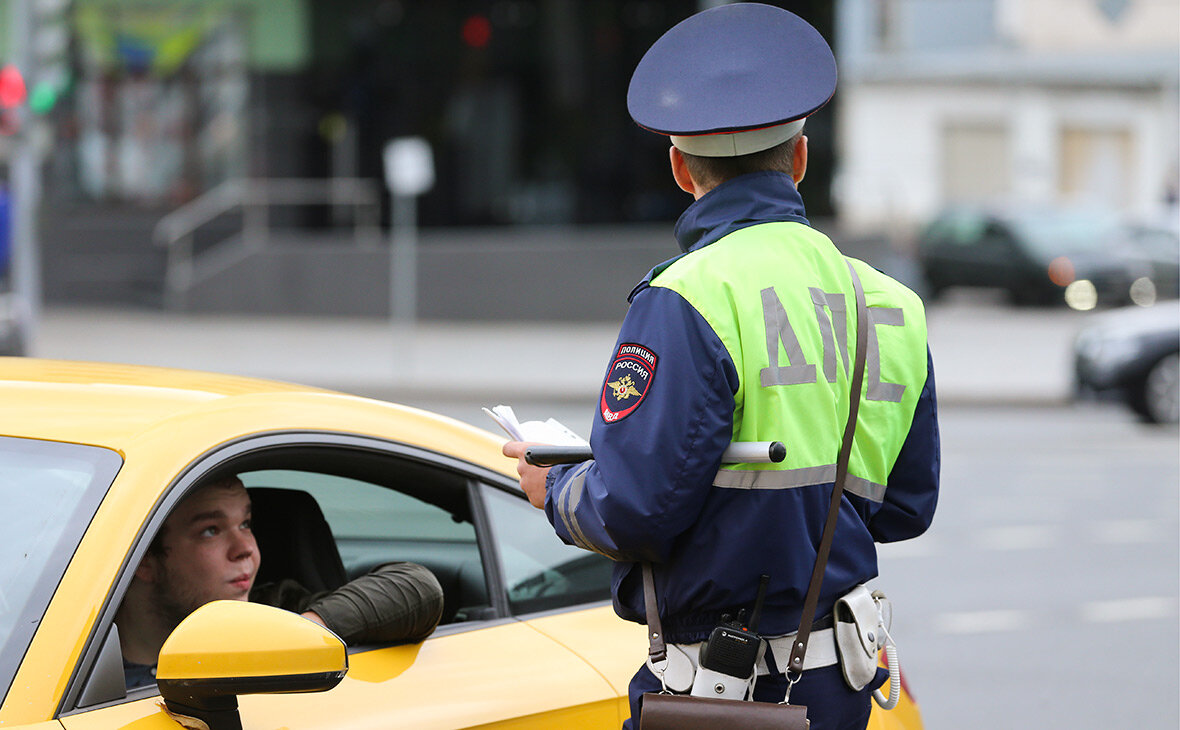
{"x":685,"y":712}
{"x":666,"y":711}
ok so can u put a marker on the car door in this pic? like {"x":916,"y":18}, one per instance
{"x":961,"y":249}
{"x":483,"y":666}
{"x":997,"y":258}
{"x":544,"y":581}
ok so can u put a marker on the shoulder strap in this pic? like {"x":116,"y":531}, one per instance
{"x":657,"y":649}
{"x":799,"y":648}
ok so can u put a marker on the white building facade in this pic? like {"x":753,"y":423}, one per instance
{"x":1036,"y":102}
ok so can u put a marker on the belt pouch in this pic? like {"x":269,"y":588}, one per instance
{"x":857,"y":636}
{"x":685,"y":712}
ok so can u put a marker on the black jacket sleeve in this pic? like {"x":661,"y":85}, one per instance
{"x":394,"y":602}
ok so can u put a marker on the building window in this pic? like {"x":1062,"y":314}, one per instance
{"x":976,"y":162}
{"x":1097,"y":165}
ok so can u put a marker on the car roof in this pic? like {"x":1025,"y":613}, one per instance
{"x":1162,"y":318}
{"x":116,"y":406}
{"x":1019,"y":212}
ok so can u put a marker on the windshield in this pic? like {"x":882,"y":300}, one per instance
{"x":48,"y":493}
{"x":1055,"y":235}
{"x":540,"y":571}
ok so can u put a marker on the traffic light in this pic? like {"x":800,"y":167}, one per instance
{"x":12,"y":94}
{"x":49,"y":74}
{"x":12,"y":87}
{"x":477,"y":31}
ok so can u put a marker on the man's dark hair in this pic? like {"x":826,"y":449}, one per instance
{"x":709,"y":172}
{"x":156,"y":546}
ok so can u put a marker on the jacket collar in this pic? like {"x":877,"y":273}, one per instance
{"x":759,"y":197}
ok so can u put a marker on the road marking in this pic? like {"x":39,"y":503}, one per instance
{"x":1126,"y":532}
{"x":1018,"y":537}
{"x":982,"y":622}
{"x":1129,"y":609}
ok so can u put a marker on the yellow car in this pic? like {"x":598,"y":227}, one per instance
{"x":92,"y":459}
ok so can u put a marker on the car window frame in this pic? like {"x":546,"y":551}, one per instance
{"x":222,"y":457}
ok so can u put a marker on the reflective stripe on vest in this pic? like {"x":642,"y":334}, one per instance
{"x":779,"y":296}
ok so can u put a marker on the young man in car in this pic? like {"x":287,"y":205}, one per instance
{"x":206,"y":551}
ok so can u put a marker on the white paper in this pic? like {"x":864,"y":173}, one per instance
{"x":548,"y":431}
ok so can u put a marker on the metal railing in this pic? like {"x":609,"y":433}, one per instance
{"x":256,"y":197}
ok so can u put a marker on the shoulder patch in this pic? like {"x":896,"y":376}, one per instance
{"x":628,"y":381}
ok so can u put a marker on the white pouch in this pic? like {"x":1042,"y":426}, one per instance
{"x":858,"y":636}
{"x":680,"y":669}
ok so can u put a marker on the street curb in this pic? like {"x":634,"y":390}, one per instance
{"x":492,"y":395}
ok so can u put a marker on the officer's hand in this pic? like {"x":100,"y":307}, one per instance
{"x":532,"y":478}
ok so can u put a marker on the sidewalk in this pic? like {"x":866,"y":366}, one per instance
{"x":984,"y":353}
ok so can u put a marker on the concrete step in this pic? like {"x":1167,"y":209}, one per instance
{"x":101,"y":254}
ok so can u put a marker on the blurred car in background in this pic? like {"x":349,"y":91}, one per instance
{"x":1159,"y":247}
{"x":1133,"y":354}
{"x":1047,"y":256}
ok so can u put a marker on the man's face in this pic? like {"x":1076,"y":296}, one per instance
{"x":209,"y":552}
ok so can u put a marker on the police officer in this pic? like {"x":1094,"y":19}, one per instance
{"x":748,"y":336}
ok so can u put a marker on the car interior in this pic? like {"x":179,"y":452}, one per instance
{"x":376,"y":514}
{"x":324,"y":516}
{"x":298,"y":543}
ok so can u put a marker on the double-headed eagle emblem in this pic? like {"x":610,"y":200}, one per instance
{"x":624,"y":388}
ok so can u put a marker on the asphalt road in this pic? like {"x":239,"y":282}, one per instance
{"x":1045,"y":593}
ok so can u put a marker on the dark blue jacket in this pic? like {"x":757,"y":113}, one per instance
{"x":655,"y":463}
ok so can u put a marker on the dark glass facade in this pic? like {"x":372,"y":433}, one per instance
{"x":523,"y":102}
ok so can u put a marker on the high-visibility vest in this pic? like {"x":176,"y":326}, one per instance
{"x":780,"y":298}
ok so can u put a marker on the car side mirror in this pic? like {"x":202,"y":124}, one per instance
{"x":230,"y":648}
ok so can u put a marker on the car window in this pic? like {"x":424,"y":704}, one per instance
{"x":1159,"y":245}
{"x":51,"y":491}
{"x":956,"y":230}
{"x":322,"y":514}
{"x":1067,"y":233}
{"x":540,"y":571}
{"x":373,"y":525}
{"x":358,"y":510}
